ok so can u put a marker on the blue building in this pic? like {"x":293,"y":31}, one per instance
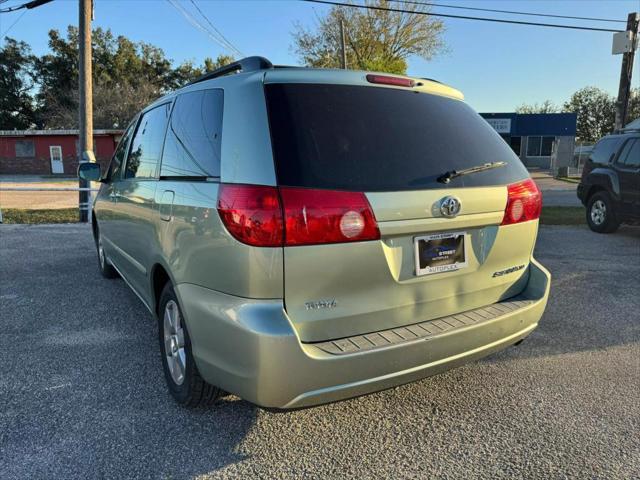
{"x":541,"y":140}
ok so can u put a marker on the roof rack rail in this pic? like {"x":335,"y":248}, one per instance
{"x":431,"y":80}
{"x":248,"y":64}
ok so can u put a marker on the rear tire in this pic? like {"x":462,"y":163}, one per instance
{"x":185,"y":383}
{"x":106,"y":269}
{"x":601,"y":217}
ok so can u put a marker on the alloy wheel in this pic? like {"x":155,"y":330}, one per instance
{"x":598,"y":212}
{"x":174,"y":342}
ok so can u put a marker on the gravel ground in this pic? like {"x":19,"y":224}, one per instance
{"x":31,"y":200}
{"x":82,"y":393}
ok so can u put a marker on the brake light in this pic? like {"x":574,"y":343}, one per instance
{"x":326,"y":216}
{"x":265,"y":216}
{"x":252,"y":214}
{"x":387,"y":80}
{"x":524,"y":202}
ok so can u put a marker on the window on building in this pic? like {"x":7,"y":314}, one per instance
{"x":516,"y":144}
{"x":146,"y":145}
{"x":192,"y":146}
{"x":55,"y":152}
{"x":547,"y":146}
{"x":25,"y":149}
{"x":540,"y":146}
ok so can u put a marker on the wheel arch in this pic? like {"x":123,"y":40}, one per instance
{"x":159,"y":278}
{"x":604,"y":179}
{"x":94,"y":227}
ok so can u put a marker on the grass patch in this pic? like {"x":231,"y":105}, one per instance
{"x":562,"y":216}
{"x":568,"y":179}
{"x":58,"y":215}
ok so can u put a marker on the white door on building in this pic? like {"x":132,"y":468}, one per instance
{"x":55,"y":151}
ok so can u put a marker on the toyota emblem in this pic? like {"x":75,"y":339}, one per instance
{"x":450,"y":207}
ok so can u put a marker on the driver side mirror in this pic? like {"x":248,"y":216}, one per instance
{"x":89,"y":171}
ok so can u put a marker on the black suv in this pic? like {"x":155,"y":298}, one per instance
{"x":610,"y":183}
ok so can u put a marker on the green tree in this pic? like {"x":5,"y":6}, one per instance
{"x":186,"y":71}
{"x":545,"y":107}
{"x":126,"y":77}
{"x":16,"y":105}
{"x":376,"y":40}
{"x":634,"y":105}
{"x":596,"y":113}
{"x":210,"y":64}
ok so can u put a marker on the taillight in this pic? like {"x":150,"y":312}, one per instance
{"x":265,"y":216}
{"x":388,"y":80}
{"x":252,"y":214}
{"x":326,"y":216}
{"x":524,"y":202}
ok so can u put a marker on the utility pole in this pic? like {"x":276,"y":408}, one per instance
{"x":343,"y":48}
{"x":85,"y":143}
{"x":622,"y":105}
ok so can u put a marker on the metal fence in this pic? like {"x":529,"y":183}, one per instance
{"x":46,"y":198}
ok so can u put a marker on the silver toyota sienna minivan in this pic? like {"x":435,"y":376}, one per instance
{"x":307,"y":235}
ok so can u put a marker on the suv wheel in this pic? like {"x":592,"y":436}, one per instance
{"x":600,"y":215}
{"x":106,"y":269}
{"x":186,"y":385}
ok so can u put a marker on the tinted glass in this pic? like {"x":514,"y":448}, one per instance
{"x":630,"y":155}
{"x":118,"y":156}
{"x":533,"y":146}
{"x":380,"y":139}
{"x":516,"y":144}
{"x":547,"y":146}
{"x":604,"y":150}
{"x":146,"y":145}
{"x":192,"y":147}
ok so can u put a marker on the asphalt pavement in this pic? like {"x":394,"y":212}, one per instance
{"x":555,"y":193}
{"x":82,"y":393}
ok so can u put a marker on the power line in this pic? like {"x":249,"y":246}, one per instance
{"x":445,"y":15}
{"x":11,"y":26}
{"x":199,"y":26}
{"x":532,"y":14}
{"x":28,"y":5}
{"x":231,"y":45}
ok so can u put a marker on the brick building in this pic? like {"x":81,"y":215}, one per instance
{"x":50,"y":152}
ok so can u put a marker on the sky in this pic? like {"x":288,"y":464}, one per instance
{"x":497,"y":66}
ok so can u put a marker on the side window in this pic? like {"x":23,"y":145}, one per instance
{"x":146,"y":146}
{"x":115,"y":167}
{"x":604,"y":150}
{"x":630,"y":156}
{"x":192,"y":146}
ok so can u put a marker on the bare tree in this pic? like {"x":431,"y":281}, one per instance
{"x":378,"y":40}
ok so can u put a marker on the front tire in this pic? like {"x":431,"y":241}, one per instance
{"x":601,"y":217}
{"x":185,"y":383}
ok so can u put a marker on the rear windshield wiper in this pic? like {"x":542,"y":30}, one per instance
{"x":447,"y":176}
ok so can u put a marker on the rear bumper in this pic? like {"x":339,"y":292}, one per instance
{"x":248,"y":347}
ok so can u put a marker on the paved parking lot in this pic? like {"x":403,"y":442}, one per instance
{"x":556,"y":193}
{"x":82,"y":393}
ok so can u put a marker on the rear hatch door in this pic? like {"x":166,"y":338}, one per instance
{"x":393,"y":144}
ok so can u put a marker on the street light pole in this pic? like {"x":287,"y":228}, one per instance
{"x":85,"y":123}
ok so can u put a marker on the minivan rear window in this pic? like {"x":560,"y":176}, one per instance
{"x":364,"y":138}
